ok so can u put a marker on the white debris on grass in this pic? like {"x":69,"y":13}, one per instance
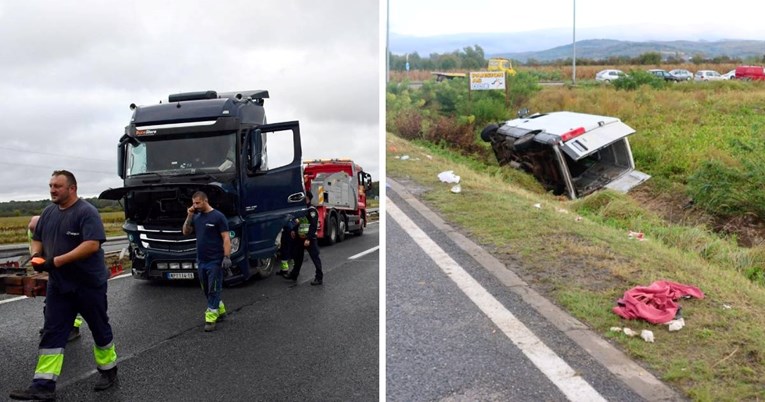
{"x":676,"y":325}
{"x":629,"y":332}
{"x":538,"y":205}
{"x":448,"y":177}
{"x":404,"y":157}
{"x":647,"y":335}
{"x":636,"y":235}
{"x":457,"y":189}
{"x":615,"y":329}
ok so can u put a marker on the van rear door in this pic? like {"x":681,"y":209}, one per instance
{"x":595,"y":139}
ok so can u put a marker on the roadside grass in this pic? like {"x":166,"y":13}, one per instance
{"x":14,"y":229}
{"x":585,"y":265}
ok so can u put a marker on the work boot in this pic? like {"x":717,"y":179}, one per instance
{"x":316,"y":282}
{"x":209,"y":326}
{"x":107,"y":379}
{"x":74,"y":334}
{"x":222,"y":314}
{"x":33,"y":394}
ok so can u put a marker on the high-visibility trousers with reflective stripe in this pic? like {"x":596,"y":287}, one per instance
{"x":60,"y":312}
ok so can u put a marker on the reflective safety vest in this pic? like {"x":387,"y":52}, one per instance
{"x":303,"y":226}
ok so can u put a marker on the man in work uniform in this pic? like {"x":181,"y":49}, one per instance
{"x":213,"y":253}
{"x":67,"y":244}
{"x":75,"y":333}
{"x":304,"y":236}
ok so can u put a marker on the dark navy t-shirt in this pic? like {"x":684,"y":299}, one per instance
{"x":60,"y":232}
{"x":208,"y":228}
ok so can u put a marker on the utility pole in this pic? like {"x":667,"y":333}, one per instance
{"x":387,"y":40}
{"x":573,"y":73}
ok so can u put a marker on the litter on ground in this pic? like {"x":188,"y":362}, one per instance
{"x":636,"y":235}
{"x":456,"y":189}
{"x":448,"y":177}
{"x":654,"y":303}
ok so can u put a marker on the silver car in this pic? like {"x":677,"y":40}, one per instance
{"x":707,"y":75}
{"x":682,"y":74}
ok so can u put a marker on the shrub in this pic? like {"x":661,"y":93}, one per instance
{"x":408,"y":124}
{"x":637,"y":78}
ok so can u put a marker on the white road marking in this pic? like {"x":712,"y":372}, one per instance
{"x":13,"y":299}
{"x":551,"y":365}
{"x":363,"y":253}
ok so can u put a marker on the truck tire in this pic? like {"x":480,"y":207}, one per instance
{"x":331,"y":232}
{"x":488,"y":132}
{"x":341,"y":229}
{"x":265,"y":267}
{"x":360,"y":231}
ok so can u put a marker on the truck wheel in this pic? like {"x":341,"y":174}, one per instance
{"x":341,"y":229}
{"x":488,"y":132}
{"x":332,"y":231}
{"x":360,"y":231}
{"x":265,"y":267}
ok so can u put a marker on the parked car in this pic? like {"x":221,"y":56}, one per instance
{"x":609,"y":75}
{"x":569,"y":153}
{"x":707,"y":75}
{"x":730,"y":75}
{"x":663,"y":74}
{"x":682,"y":74}
{"x":750,"y":73}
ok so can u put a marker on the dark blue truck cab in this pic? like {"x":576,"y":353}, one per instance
{"x":219,"y":144}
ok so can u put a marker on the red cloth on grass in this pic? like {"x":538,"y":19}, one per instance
{"x":654,"y":303}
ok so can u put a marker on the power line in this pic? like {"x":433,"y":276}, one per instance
{"x":52,"y":154}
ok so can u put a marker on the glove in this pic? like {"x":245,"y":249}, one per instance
{"x":40,"y":264}
{"x":226,"y":264}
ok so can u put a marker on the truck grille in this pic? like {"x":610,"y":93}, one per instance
{"x":166,"y":240}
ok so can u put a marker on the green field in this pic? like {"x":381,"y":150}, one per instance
{"x":14,"y":229}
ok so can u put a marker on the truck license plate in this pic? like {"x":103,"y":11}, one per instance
{"x":180,"y":275}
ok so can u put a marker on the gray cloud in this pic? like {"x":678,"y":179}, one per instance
{"x":75,"y":67}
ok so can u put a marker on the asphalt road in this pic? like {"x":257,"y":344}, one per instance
{"x":443,"y":343}
{"x":278,"y":343}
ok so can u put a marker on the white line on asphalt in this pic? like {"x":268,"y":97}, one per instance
{"x":363,"y":253}
{"x":551,"y":365}
{"x":13,"y":299}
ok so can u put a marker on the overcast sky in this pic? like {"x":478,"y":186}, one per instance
{"x":653,"y":19}
{"x":70,"y":71}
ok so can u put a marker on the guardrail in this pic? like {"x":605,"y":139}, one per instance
{"x":22,"y":249}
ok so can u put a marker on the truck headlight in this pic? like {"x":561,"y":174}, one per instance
{"x":235,"y":245}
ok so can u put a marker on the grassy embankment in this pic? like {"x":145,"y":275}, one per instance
{"x":585,"y":266}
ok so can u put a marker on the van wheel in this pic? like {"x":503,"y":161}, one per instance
{"x":488,"y":132}
{"x":524,"y":143}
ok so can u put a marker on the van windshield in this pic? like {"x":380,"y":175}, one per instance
{"x":182,"y":155}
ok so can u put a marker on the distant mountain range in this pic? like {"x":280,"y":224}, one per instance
{"x":600,"y":49}
{"x":555,"y":44}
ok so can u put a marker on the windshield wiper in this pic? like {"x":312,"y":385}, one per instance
{"x":157,"y":180}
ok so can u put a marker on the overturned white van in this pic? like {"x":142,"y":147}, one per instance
{"x":569,"y":153}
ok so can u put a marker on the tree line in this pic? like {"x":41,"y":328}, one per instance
{"x":28,"y":208}
{"x":471,"y":58}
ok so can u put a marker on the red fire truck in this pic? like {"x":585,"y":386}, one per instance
{"x":339,"y":189}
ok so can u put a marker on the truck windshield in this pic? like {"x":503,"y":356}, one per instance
{"x":181,"y":155}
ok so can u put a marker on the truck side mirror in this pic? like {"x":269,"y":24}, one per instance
{"x":121,"y":150}
{"x":255,"y":159}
